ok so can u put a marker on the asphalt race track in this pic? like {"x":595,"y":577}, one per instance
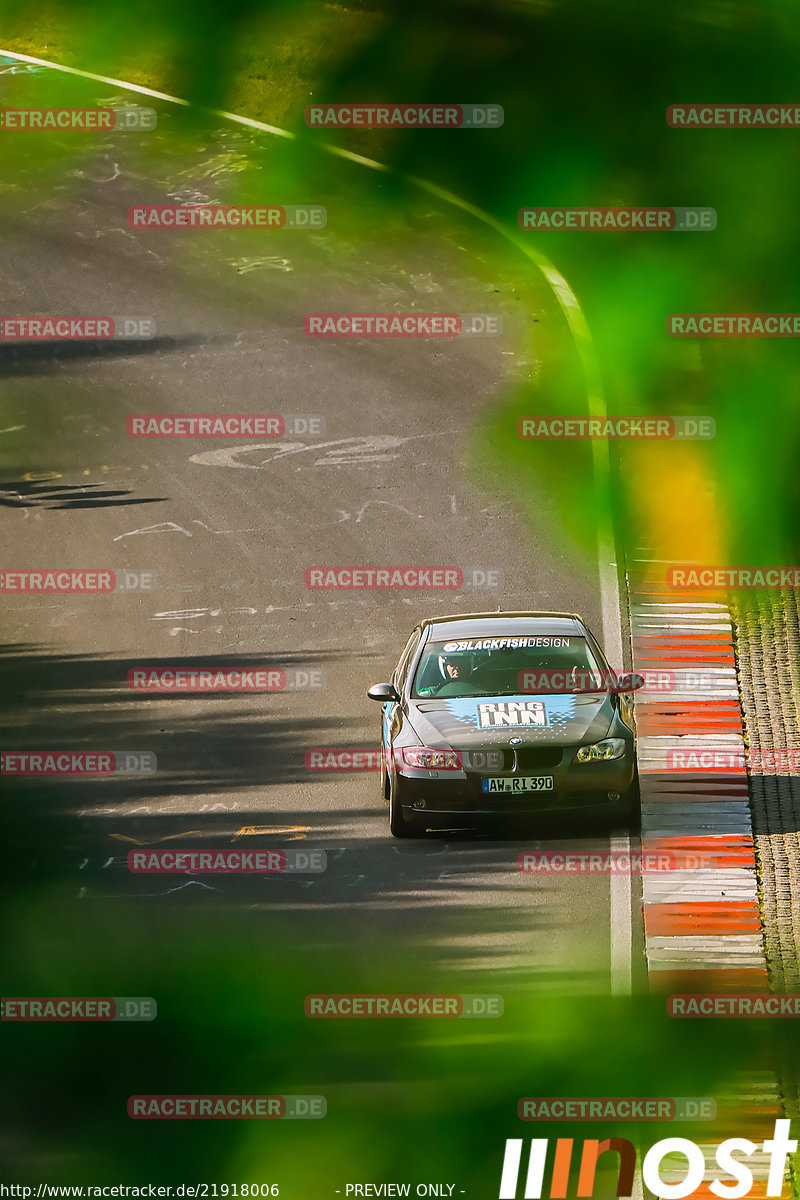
{"x":228,"y":529}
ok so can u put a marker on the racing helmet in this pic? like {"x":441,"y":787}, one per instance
{"x":462,"y":661}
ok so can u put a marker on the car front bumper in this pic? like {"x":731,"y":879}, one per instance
{"x":601,"y":787}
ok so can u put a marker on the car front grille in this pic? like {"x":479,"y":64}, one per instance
{"x":533,"y":758}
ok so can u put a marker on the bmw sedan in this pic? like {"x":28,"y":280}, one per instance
{"x":502,"y":715}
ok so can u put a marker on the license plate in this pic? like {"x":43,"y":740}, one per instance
{"x":526,"y":783}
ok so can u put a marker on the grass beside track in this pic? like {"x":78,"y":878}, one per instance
{"x":279,"y":59}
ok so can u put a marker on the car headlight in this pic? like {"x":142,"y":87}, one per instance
{"x":431,"y":760}
{"x":601,"y":751}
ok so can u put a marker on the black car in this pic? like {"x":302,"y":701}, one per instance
{"x":503,"y":715}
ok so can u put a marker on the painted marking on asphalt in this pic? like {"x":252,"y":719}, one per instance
{"x":163,"y":527}
{"x":170,"y":837}
{"x":191,"y":883}
{"x":345,"y":452}
{"x":292,"y":832}
{"x":621,"y":922}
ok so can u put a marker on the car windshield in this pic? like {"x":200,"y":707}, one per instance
{"x":508,"y":665}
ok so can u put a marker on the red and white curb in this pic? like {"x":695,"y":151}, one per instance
{"x":702,"y":922}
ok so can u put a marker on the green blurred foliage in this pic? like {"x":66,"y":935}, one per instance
{"x":407,"y":1099}
{"x":584,"y":86}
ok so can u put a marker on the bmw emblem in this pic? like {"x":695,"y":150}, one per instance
{"x":514,"y":741}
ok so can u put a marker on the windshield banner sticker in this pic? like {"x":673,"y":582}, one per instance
{"x":504,"y":643}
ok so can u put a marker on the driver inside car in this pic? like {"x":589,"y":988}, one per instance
{"x":456,"y":672}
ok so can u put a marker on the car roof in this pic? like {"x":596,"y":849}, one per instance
{"x":510,"y":623}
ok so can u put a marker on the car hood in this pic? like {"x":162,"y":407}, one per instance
{"x":486,"y":721}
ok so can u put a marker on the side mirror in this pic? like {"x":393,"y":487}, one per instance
{"x":384,"y":692}
{"x":628,"y":681}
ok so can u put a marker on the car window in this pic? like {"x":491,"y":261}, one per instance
{"x":508,"y":665}
{"x":405,"y":659}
